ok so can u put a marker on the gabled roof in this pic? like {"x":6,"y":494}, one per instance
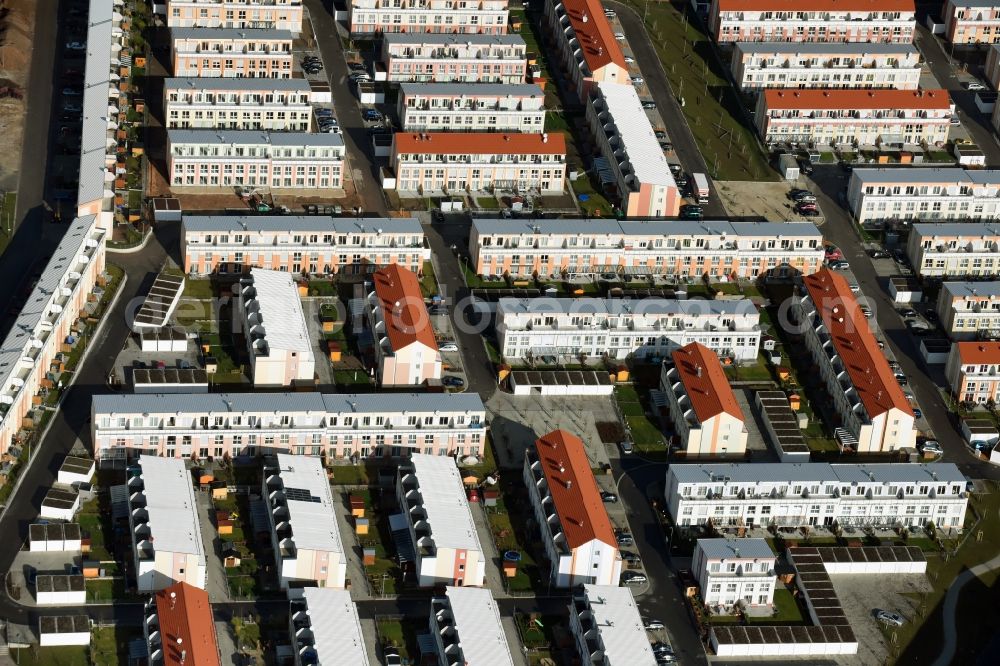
{"x":593,"y":32}
{"x":186,"y":626}
{"x":479,"y":143}
{"x":405,"y":315}
{"x":705,"y":382}
{"x":978,"y":353}
{"x":839,"y":98}
{"x":574,"y":491}
{"x":853,"y":341}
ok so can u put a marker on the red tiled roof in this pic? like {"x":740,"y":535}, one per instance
{"x":840,"y":98}
{"x":853,"y":341}
{"x":597,"y":40}
{"x":186,"y":626}
{"x":705,"y":382}
{"x":575,"y":495}
{"x":479,"y":143}
{"x":406,"y":317}
{"x":979,"y":353}
{"x":816,"y":5}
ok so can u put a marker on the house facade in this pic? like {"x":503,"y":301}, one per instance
{"x":586,"y":44}
{"x":243,"y":14}
{"x":924,"y":194}
{"x":231,"y":52}
{"x":238,"y":104}
{"x":956,"y":250}
{"x":471,"y":107}
{"x":441,"y":58}
{"x":760,"y":65}
{"x":826,"y":21}
{"x":970,"y":310}
{"x":463,"y":17}
{"x":971,"y":22}
{"x":406,"y":348}
{"x":973,"y":372}
{"x":733,"y":572}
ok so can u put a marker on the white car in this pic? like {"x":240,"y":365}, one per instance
{"x":638,"y":80}
{"x":610,"y":13}
{"x":629,"y":59}
{"x":653,"y":625}
{"x":620,"y":36}
{"x":954,"y":120}
{"x":448,"y":346}
{"x":933,"y":446}
{"x":974,"y":85}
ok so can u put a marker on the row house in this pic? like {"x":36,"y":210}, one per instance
{"x":883,"y":495}
{"x":462,"y":17}
{"x":427,"y":58}
{"x":971,"y":22}
{"x":873,"y":413}
{"x":339,"y":426}
{"x":248,"y":158}
{"x":759,"y":65}
{"x":406,"y":351}
{"x":632,"y":152}
{"x":178,"y":621}
{"x":973,"y":372}
{"x":471,"y":107}
{"x":705,"y":414}
{"x":970,"y":310}
{"x":678,"y":249}
{"x":823,"y":21}
{"x":856,"y":117}
{"x":734,"y":572}
{"x":38,"y":332}
{"x":316,"y":245}
{"x":619,"y":329}
{"x":103,"y":109}
{"x":164,"y":522}
{"x":608,"y":628}
{"x":572,"y":521}
{"x":257,"y":14}
{"x":459,"y":162}
{"x":949,"y":193}
{"x":465,"y":628}
{"x":231,"y":52}
{"x":275,"y":330}
{"x":305,"y":530}
{"x":586,"y":43}
{"x":437,"y":516}
{"x":325,"y":627}
{"x":956,"y":250}
{"x":238,"y":104}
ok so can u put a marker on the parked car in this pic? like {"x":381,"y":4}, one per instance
{"x":932,"y":445}
{"x":372,"y":115}
{"x":878,"y":254}
{"x":356,"y":66}
{"x":633,"y":578}
{"x":610,"y":13}
{"x":974,"y":85}
{"x":392,"y":657}
{"x":625,"y":540}
{"x":448,"y":346}
{"x":76,"y":46}
{"x":691,"y":212}
{"x":888,"y":617}
{"x":620,"y":36}
{"x":609,"y":497}
{"x":805,"y":166}
{"x":630,"y":60}
{"x":637,"y":80}
{"x":451,"y":381}
{"x":839,"y":265}
{"x":71,"y":107}
{"x":954,"y":120}
{"x":798,"y":195}
{"x":71,"y":92}
{"x":660,"y":134}
{"x":907,"y":313}
{"x":653,"y":625}
{"x":630,"y":557}
{"x":626,"y":446}
{"x":649,"y":105}
{"x":917,"y":413}
{"x":901,"y":379}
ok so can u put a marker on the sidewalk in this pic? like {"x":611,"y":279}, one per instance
{"x":352,"y":549}
{"x":493,"y":573}
{"x":216,"y":582}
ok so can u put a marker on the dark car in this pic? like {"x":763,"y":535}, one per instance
{"x":630,"y":557}
{"x":691,"y":212}
{"x":611,"y":498}
{"x":372,"y":115}
{"x":878,"y":254}
{"x":806,"y":166}
{"x":452,"y":381}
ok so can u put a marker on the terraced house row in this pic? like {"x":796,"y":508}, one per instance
{"x":300,"y":244}
{"x":466,"y":17}
{"x":676,"y":249}
{"x":218,"y":425}
{"x":443,"y":58}
{"x":271,"y":14}
{"x":238,"y":104}
{"x":816,"y":21}
{"x":232,"y":52}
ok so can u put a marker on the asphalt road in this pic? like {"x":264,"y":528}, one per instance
{"x":839,"y":229}
{"x":361,"y":158}
{"x":975,"y":122}
{"x":72,"y":421}
{"x":666,"y":102}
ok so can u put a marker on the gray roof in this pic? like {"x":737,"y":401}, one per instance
{"x":963,"y":229}
{"x":821,"y":472}
{"x":304,"y":223}
{"x":471,"y":89}
{"x":96,"y":87}
{"x":966,"y":289}
{"x":335,"y":403}
{"x":449,"y":39}
{"x":618,"y":306}
{"x":912,"y":175}
{"x":644,"y":227}
{"x":232,"y":83}
{"x":229,"y":33}
{"x":718,"y":549}
{"x":254,"y":137}
{"x":838,"y":48}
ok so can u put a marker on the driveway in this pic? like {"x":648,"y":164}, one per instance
{"x":360,"y":160}
{"x":680,"y":134}
{"x":826,"y":183}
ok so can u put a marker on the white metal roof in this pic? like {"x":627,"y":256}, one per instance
{"x":816,"y":472}
{"x":173,"y":513}
{"x":335,"y":626}
{"x":281,"y":311}
{"x":639,"y":227}
{"x":96,"y":95}
{"x":253,"y":138}
{"x":445,"y":39}
{"x":462,"y":89}
{"x":204,"y":83}
{"x":230,"y":33}
{"x":444,"y":498}
{"x":722,"y":548}
{"x":618,"y":307}
{"x":620,"y":625}
{"x":643,"y":148}
{"x":290,"y":224}
{"x":314,"y":523}
{"x":477,"y":621}
{"x":971,"y":289}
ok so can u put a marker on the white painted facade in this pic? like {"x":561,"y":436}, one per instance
{"x":734,"y":572}
{"x":758,"y":65}
{"x":957,"y":250}
{"x":471,"y":107}
{"x":238,"y":104}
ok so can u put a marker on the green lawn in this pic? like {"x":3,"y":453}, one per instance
{"x":596,"y":204}
{"x":428,"y":283}
{"x":200,"y":289}
{"x":758,"y":372}
{"x":646,"y":437}
{"x":104,"y":590}
{"x":394,"y":632}
{"x":712,"y":108}
{"x":70,"y":655}
{"x":349,"y":475}
{"x":487,"y":203}
{"x":351,"y":378}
